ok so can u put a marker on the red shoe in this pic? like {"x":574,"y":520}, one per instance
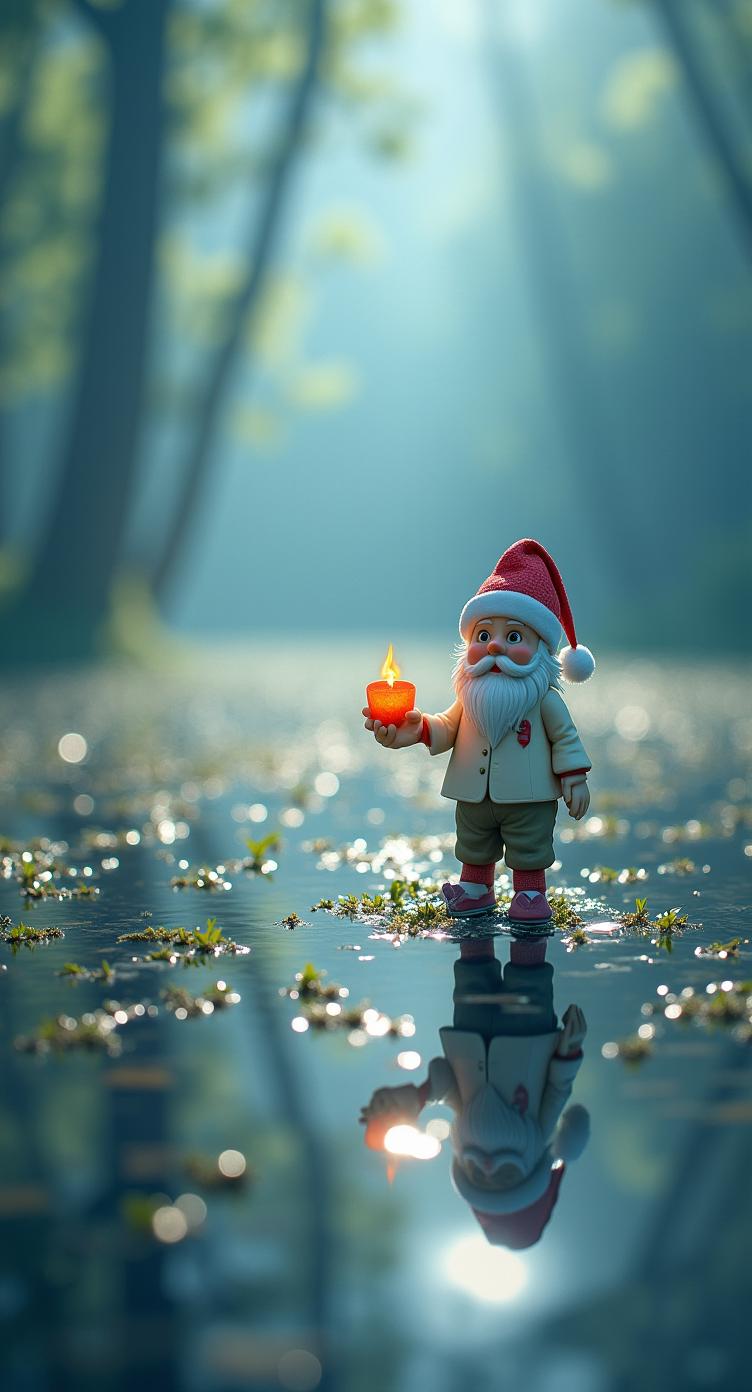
{"x":460,"y":905}
{"x":530,"y":906}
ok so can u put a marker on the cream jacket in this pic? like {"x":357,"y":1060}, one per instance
{"x":508,"y":1062}
{"x":525,"y":767}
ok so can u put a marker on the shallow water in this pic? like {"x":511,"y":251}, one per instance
{"x":330,"y":1265}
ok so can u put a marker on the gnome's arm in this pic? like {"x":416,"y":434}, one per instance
{"x":440,"y":731}
{"x":561,"y":1075}
{"x":409,"y":1100}
{"x":568,"y":754}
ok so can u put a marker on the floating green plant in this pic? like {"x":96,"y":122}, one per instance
{"x":721,"y":949}
{"x":95,"y":1031}
{"x":210,"y":878}
{"x":564,"y":913}
{"x":24,"y":935}
{"x":321,"y":1005}
{"x":633,"y":1050}
{"x":292,"y":920}
{"x":727,"y":1004}
{"x":577,"y":938}
{"x":74,"y":972}
{"x":209,"y":940}
{"x":185,"y":1006}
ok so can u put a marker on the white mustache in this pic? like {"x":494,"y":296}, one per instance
{"x":502,"y":664}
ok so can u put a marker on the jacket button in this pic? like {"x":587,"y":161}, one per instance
{"x":483,"y":770}
{"x":484,"y":752}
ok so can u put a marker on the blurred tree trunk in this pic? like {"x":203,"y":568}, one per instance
{"x":603,"y":482}
{"x":677,"y":28}
{"x":245,"y":306}
{"x":11,"y":143}
{"x":67,"y":598}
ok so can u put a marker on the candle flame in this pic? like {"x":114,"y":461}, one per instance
{"x":390,"y":671}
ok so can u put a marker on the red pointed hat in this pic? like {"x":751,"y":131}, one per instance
{"x":524,"y":1228}
{"x":526,"y":585}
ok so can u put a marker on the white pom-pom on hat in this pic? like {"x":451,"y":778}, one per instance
{"x":572,"y":1133}
{"x":577,"y":664}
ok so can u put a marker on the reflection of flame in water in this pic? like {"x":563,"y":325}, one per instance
{"x":408,"y":1140}
{"x":491,"y":1274}
{"x":390,"y":671}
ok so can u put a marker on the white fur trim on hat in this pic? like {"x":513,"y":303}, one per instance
{"x":505,"y":1200}
{"x":577,"y":664}
{"x":510,"y":604}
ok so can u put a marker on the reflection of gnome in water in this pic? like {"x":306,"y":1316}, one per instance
{"x":507,"y":1073}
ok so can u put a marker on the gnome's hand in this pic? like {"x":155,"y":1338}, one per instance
{"x":401,"y":1101}
{"x":396,"y":736}
{"x":576,"y":794}
{"x":573,"y":1033}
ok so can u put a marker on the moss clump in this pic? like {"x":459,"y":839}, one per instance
{"x":292,"y":920}
{"x":204,"y":877}
{"x":186,"y":1006}
{"x":665,"y":926}
{"x":577,"y":938}
{"x":209,"y":941}
{"x":24,"y":935}
{"x":94,"y":1032}
{"x":73,"y":972}
{"x":564,"y":913}
{"x":722,"y":950}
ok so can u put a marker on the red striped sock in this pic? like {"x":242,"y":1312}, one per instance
{"x":479,"y":874}
{"x":529,"y":879}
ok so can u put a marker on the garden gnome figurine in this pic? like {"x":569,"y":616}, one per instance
{"x":515,"y":749}
{"x":506,"y":1072}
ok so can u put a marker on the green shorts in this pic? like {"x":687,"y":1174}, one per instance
{"x":521,"y":832}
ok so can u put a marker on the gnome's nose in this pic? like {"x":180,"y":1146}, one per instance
{"x":494,"y":648}
{"x":488,"y":1163}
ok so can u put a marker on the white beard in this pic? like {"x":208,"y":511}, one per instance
{"x":488,"y":1126}
{"x":496,"y":693}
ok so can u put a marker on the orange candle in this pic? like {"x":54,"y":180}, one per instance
{"x":389,"y":700}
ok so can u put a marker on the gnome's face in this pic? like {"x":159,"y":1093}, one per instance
{"x":503,"y":672}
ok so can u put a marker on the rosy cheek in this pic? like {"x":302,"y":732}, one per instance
{"x":519,"y":652}
{"x":476,"y":651}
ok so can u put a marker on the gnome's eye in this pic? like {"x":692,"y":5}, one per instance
{"x":514,"y":636}
{"x":484,"y":636}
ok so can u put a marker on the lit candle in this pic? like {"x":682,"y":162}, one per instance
{"x":389,"y":700}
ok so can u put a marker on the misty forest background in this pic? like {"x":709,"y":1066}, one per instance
{"x":309,"y":307}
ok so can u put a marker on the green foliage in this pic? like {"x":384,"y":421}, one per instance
{"x":292,"y":920}
{"x":74,"y":972}
{"x":564,"y":914}
{"x":96,"y":1031}
{"x":182,"y":1003}
{"x":208,"y":941}
{"x":24,"y":935}
{"x":722,"y":949}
